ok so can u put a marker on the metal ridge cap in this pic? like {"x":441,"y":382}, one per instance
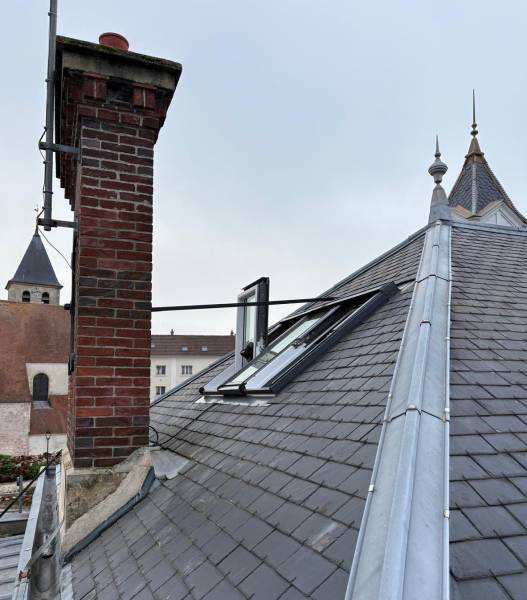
{"x":405,"y":505}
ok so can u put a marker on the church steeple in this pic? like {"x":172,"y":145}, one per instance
{"x":477,"y":193}
{"x":34,"y":280}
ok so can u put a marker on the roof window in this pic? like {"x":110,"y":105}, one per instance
{"x":295,"y":343}
{"x":251,"y":322}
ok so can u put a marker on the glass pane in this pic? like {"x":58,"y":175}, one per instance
{"x":249,"y":318}
{"x":274,"y":349}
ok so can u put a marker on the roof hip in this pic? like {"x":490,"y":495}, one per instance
{"x":408,"y":498}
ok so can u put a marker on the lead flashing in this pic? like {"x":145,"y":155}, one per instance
{"x":407,"y":511}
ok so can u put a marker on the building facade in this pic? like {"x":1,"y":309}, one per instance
{"x":175,"y":358}
{"x":34,"y":342}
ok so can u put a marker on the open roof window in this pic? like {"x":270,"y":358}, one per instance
{"x":296,"y":342}
{"x":251,"y":322}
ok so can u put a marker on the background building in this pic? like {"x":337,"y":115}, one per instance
{"x":178,"y":357}
{"x":34,"y":343}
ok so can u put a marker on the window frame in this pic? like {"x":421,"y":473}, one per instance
{"x":260,"y":290}
{"x":338,"y":320}
{"x":185,"y":368}
{"x":43,"y":398}
{"x":161,"y":370}
{"x":160,"y":390}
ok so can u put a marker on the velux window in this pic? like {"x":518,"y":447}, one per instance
{"x":294,"y":343}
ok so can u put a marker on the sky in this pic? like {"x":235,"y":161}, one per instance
{"x":298,"y":140}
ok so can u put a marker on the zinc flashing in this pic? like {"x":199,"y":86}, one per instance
{"x":407,"y":504}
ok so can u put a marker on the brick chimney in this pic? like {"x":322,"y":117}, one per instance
{"x":111,"y":104}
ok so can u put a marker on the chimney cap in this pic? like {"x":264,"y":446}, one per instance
{"x":114,"y":40}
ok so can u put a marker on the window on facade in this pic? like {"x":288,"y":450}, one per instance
{"x":26,"y":296}
{"x":45,"y":298}
{"x":161,"y":370}
{"x":184,"y":348}
{"x":186,"y":369}
{"x":204,"y":348}
{"x":41,"y":388}
{"x":160,"y":390}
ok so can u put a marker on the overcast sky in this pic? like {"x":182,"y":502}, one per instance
{"x":299,"y":138}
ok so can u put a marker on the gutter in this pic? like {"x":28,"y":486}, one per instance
{"x":402,"y":550}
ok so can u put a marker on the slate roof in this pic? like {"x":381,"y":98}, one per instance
{"x":172,"y":345}
{"x":272,"y":499}
{"x":488,"y":464}
{"x":477,"y":187}
{"x":35,"y":266}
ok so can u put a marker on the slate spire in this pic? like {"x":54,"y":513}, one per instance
{"x":477,"y":190}
{"x":35,"y":267}
{"x":439,"y":204}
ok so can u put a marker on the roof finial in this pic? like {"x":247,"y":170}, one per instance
{"x":437,"y":168}
{"x":474,"y":131}
{"x":439,"y":204}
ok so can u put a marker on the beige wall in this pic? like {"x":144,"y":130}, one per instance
{"x":14,"y":427}
{"x":173,"y":365}
{"x":37,"y":443}
{"x":15,"y":291}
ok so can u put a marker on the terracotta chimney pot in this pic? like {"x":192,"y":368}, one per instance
{"x":114,"y":40}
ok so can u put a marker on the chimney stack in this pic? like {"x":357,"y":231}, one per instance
{"x":111,"y":104}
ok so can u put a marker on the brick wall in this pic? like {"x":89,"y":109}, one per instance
{"x":114,"y":123}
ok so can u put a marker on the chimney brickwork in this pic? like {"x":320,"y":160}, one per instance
{"x":112,"y":105}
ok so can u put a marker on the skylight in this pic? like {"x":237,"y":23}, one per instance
{"x":295,"y":343}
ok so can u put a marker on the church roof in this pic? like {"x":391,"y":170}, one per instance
{"x":35,"y":267}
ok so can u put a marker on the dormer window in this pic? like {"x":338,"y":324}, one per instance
{"x":251,"y":322}
{"x":26,"y":296}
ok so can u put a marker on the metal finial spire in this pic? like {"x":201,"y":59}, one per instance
{"x":439,"y":203}
{"x":437,"y":168}
{"x":474,"y":131}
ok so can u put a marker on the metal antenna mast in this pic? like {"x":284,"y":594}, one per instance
{"x":50,"y":105}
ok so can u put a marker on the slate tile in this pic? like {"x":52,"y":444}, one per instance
{"x":497,"y":491}
{"x":219,"y":547}
{"x":494,"y":521}
{"x":479,"y":589}
{"x":276,"y":548}
{"x":224,"y":591}
{"x":288,"y":517}
{"x":520,"y":512}
{"x":499,"y":465}
{"x":326,"y":501}
{"x":306,"y":569}
{"x":318,"y":532}
{"x":515,"y":585}
{"x":482,"y":558}
{"x":264,"y":584}
{"x":464,"y":467}
{"x":203,"y":579}
{"x":238,"y":564}
{"x":333,"y":587}
{"x":252,"y":532}
{"x":173,"y":589}
{"x":518,"y":546}
{"x":461,"y":528}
